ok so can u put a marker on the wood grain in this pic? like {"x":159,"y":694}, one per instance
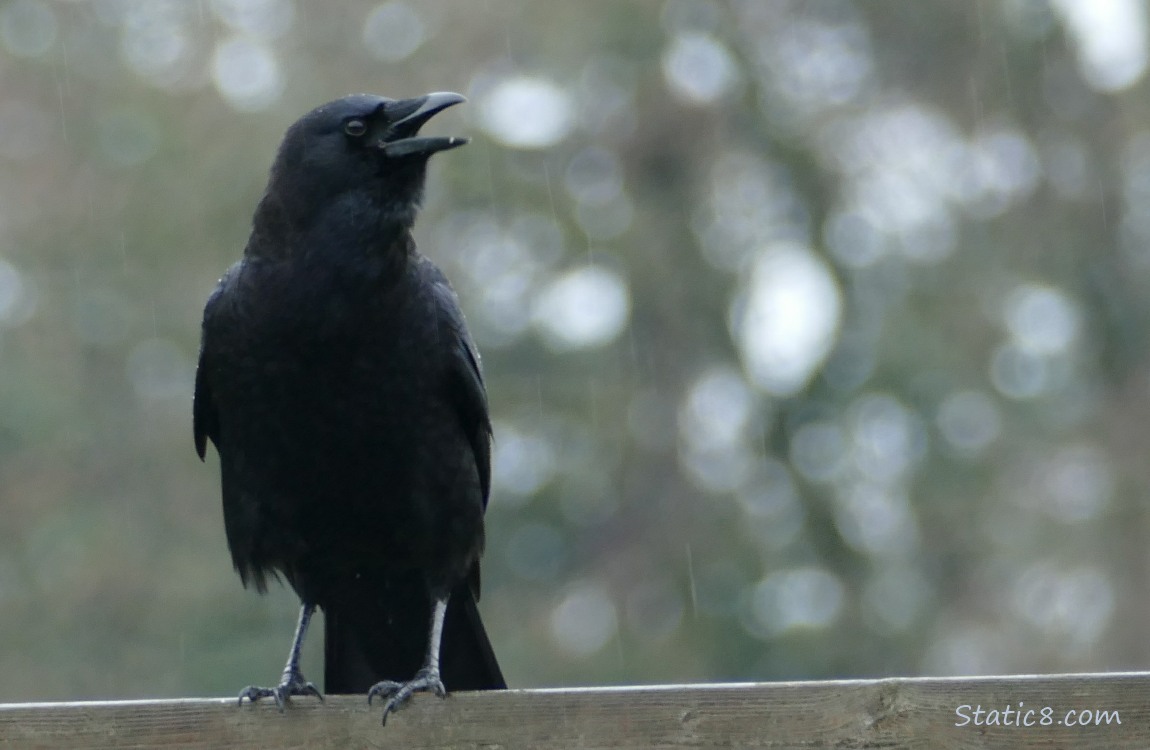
{"x":887,"y":713}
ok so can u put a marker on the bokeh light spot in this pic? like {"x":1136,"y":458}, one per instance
{"x":789,"y":319}
{"x":526,"y":112}
{"x":1018,"y":373}
{"x":1041,"y":319}
{"x":875,"y":520}
{"x":522,"y":462}
{"x":816,"y":65}
{"x":393,"y":31}
{"x":798,"y":598}
{"x":888,"y":438}
{"x":969,"y":421}
{"x":246,"y":73}
{"x":1110,"y":37}
{"x":585,"y":307}
{"x":713,"y":421}
{"x":268,"y":19}
{"x":155,"y":42}
{"x":17,"y":299}
{"x":699,"y":69}
{"x":584,"y":620}
{"x":818,"y":451}
{"x":1075,"y":604}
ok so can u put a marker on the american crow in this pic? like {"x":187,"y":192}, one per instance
{"x":343,"y":393}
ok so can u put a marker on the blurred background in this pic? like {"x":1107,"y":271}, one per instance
{"x":815,"y":331}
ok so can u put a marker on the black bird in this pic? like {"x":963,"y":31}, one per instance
{"x":344,"y":395}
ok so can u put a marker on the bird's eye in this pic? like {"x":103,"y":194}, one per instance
{"x":355,"y":128}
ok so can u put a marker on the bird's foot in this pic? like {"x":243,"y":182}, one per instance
{"x":398,"y":693}
{"x":293,"y":683}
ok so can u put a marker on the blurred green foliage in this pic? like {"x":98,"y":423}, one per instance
{"x":815,"y":331}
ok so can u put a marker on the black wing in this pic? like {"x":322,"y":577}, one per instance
{"x":205,"y":417}
{"x":465,"y":390}
{"x":465,"y":380}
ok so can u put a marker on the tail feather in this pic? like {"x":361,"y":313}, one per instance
{"x":468,"y":661}
{"x":383,"y":636}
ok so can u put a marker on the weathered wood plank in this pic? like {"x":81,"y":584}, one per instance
{"x":888,"y":713}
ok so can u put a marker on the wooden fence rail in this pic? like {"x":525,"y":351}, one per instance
{"x":1083,"y":711}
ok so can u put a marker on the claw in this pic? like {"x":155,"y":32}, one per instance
{"x":399,"y":693}
{"x":292,"y":684}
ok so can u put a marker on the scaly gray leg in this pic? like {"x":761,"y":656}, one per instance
{"x":426,"y":679}
{"x":292,"y":682}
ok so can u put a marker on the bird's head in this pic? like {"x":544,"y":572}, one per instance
{"x":362,"y":148}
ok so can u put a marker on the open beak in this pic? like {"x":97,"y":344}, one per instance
{"x":407,"y":116}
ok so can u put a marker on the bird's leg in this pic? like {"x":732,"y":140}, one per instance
{"x":292,"y":682}
{"x":426,"y":679}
